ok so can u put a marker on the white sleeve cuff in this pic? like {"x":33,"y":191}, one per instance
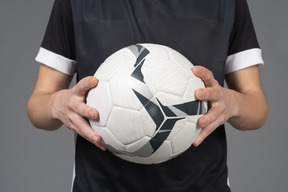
{"x":243,"y":60}
{"x":56,"y":61}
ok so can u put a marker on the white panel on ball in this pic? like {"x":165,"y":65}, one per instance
{"x":121,"y":92}
{"x":116,"y":62}
{"x":137,"y":144}
{"x":174,"y":83}
{"x":182,"y":62}
{"x":125,"y":124}
{"x":104,"y":105}
{"x":189,"y":133}
{"x":109,"y":139}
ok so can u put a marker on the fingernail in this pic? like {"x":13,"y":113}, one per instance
{"x":103,"y":148}
{"x":196,"y":143}
{"x":200,"y":94}
{"x":91,"y":115}
{"x":95,"y":140}
{"x":197,"y":70}
{"x":203,"y":122}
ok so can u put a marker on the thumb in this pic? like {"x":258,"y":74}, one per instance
{"x":84,"y":85}
{"x":205,"y":75}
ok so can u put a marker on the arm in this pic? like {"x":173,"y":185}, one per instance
{"x":39,"y":105}
{"x":252,"y":109}
{"x":53,"y":104}
{"x":243,"y":105}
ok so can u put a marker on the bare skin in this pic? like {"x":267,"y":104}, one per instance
{"x":52,"y":104}
{"x":243,"y":105}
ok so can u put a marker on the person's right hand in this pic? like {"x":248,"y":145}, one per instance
{"x":69,"y":106}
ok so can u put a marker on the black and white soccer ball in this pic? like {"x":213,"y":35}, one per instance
{"x":145,"y":97}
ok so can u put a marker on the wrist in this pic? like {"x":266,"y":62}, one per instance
{"x":234,"y":104}
{"x":57,"y":101}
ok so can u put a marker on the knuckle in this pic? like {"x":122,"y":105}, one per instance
{"x":70,"y":104}
{"x":73,"y":90}
{"x":69,"y":118}
{"x":210,"y":74}
{"x":221,"y":94}
{"x":80,"y":109}
{"x":72,"y":127}
{"x":206,"y":93}
{"x":208,"y":120}
{"x":222,"y":108}
{"x":218,"y":94}
{"x":203,"y":121}
{"x":90,"y":81}
{"x":221,"y":120}
{"x":84,"y":111}
{"x":219,"y":112}
{"x":216,"y":82}
{"x":77,"y":108}
{"x":68,"y":123}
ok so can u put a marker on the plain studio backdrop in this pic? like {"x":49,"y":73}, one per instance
{"x":33,"y":160}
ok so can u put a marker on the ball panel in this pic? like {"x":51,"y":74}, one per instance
{"x":133,"y":147}
{"x":161,"y":155}
{"x":157,"y":53}
{"x":178,"y":127}
{"x":149,"y":125}
{"x":191,"y":87}
{"x":159,"y":80}
{"x":100,"y":99}
{"x":125,"y":125}
{"x":122,"y":58}
{"x":185,"y":138}
{"x":109,"y":139}
{"x":182,"y":62}
{"x":122,"y":90}
{"x":168,"y":99}
{"x":110,"y":66}
{"x":193,"y":119}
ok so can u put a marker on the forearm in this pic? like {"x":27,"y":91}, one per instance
{"x":250,"y":109}
{"x":39,"y":109}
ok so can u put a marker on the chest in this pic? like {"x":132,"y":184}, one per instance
{"x":198,"y":29}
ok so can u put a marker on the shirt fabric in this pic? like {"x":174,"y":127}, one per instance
{"x":216,"y":34}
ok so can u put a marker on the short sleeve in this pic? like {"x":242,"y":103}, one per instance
{"x":58,"y":46}
{"x":244,"y":50}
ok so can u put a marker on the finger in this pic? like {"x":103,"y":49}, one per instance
{"x":208,"y":94}
{"x":88,"y":133}
{"x":204,"y":74}
{"x":205,"y":132}
{"x":84,"y":110}
{"x":214,"y":114}
{"x":84,"y":85}
{"x":84,"y":130}
{"x":99,"y":143}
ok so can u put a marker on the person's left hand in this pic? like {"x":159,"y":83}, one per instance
{"x":219,"y":103}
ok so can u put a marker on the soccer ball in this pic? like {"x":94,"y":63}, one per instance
{"x":145,"y":98}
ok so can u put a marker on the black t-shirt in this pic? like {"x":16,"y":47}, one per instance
{"x":217,"y":34}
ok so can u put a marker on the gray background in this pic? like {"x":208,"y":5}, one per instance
{"x":35,"y":160}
